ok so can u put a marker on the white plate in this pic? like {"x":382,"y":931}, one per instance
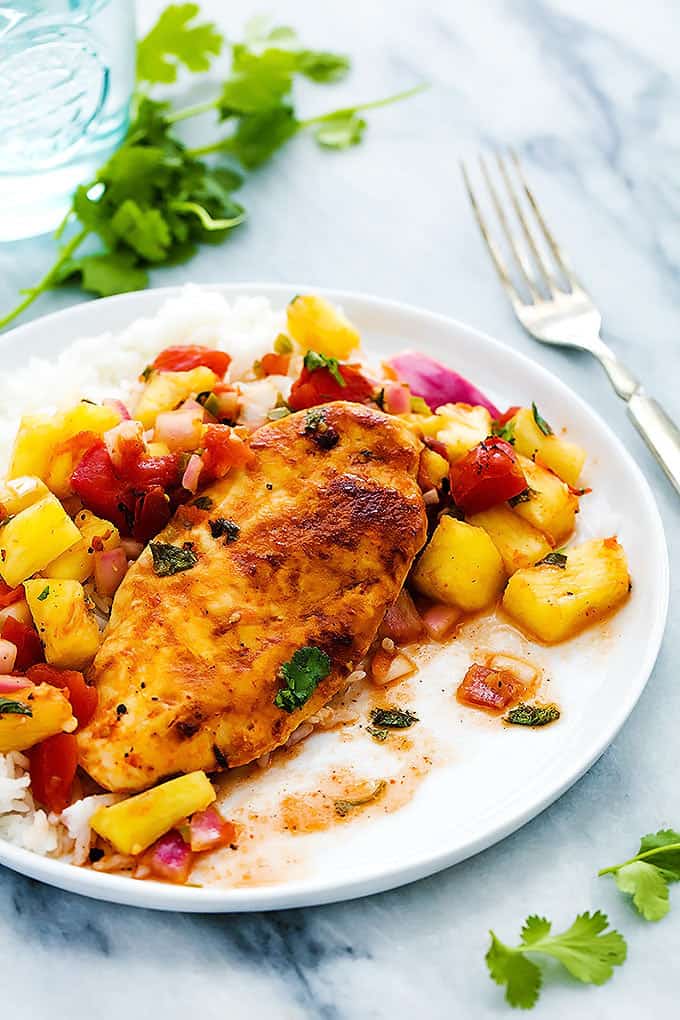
{"x":486,"y":780}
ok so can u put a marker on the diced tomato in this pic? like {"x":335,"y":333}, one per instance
{"x":29,"y":645}
{"x":10,"y":595}
{"x":489,"y":688}
{"x":223,"y":450}
{"x":505,"y":418}
{"x":487,"y":475}
{"x":153,"y":510}
{"x":163,"y":471}
{"x":53,"y":764}
{"x":82,"y":696}
{"x":187,"y":356}
{"x":320,"y":387}
{"x":275,"y":364}
{"x":101,"y":491}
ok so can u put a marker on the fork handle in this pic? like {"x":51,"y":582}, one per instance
{"x":659,"y":431}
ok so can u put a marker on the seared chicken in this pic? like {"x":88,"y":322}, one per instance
{"x":328,"y":521}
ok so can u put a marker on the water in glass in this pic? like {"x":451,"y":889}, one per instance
{"x":66,"y":78}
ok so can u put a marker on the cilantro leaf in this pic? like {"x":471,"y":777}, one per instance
{"x":542,"y":424}
{"x":144,"y":230}
{"x":393,"y":718}
{"x":341,"y":130}
{"x":314,"y":361}
{"x":173,"y":42}
{"x":532,"y":715}
{"x":505,"y":431}
{"x":105,"y":275}
{"x":586,"y":950}
{"x":522,"y":977}
{"x":171,"y":559}
{"x":646,"y":876}
{"x":648,"y":887}
{"x":10,"y":707}
{"x":322,"y":66}
{"x":305,"y":670}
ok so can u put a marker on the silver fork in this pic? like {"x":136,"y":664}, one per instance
{"x":563,"y":313}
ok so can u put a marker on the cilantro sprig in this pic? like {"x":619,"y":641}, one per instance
{"x":314,"y":361}
{"x":156,"y":200}
{"x":647,"y":875}
{"x":585,"y":949}
{"x":301,"y":675}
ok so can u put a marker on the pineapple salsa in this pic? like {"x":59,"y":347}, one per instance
{"x":90,"y":486}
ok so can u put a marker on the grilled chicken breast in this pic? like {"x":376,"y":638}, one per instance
{"x":328,"y":521}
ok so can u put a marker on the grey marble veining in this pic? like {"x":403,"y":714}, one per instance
{"x":589,"y":94}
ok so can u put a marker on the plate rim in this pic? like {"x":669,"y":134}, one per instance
{"x":303,"y":893}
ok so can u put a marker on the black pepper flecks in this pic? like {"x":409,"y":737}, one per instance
{"x":96,"y":854}
{"x":220,"y":757}
{"x":121,"y":710}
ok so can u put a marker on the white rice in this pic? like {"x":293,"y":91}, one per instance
{"x":104,"y":366}
{"x":108,"y":365}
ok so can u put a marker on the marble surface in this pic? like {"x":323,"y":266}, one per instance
{"x":589,"y":95}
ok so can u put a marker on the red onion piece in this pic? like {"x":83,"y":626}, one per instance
{"x":170,"y":858}
{"x":439,"y":620}
{"x":8,"y":656}
{"x":192,"y":473}
{"x":119,"y":406}
{"x":397,"y":398}
{"x":401,"y":622}
{"x":110,"y":567}
{"x":125,"y":442}
{"x":436,"y":383}
{"x":179,"y":430}
{"x":11,"y":684}
{"x":208,"y":830}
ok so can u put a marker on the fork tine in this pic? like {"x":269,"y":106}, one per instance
{"x":524,"y":266}
{"x":549,"y":282}
{"x":557,"y":253}
{"x":495,"y":254}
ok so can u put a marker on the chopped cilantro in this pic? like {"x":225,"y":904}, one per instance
{"x":522,"y":497}
{"x":44,"y":593}
{"x":377,"y":733}
{"x":209,"y":401}
{"x":203,"y":503}
{"x":343,"y":807}
{"x":541,"y":422}
{"x":379,"y":398}
{"x":10,"y":707}
{"x":171,"y":559}
{"x":277,"y":413}
{"x":307,"y":668}
{"x":221,"y":526}
{"x":505,"y":431}
{"x":283,"y":344}
{"x":393,"y":718}
{"x":313,"y":361}
{"x":554,"y":559}
{"x":532,"y":715}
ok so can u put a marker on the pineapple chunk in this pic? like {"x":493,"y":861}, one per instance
{"x":566,"y":459}
{"x":32,"y":539}
{"x":17,"y":494}
{"x":50,"y":713}
{"x":460,"y":566}
{"x":134,"y":824}
{"x":433,"y":469}
{"x":518,"y":542}
{"x":166,"y":390}
{"x":551,"y":506}
{"x":36,"y":447}
{"x":554,"y":603}
{"x":316,"y":325}
{"x":424,"y":425}
{"x":77,"y":563}
{"x":463,"y":427}
{"x":37,"y":436}
{"x":67,"y":626}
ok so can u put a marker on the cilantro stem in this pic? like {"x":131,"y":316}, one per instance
{"x":207,"y":150}
{"x":48,"y":279}
{"x":639,"y":857}
{"x":191,"y":111}
{"x":207,"y":221}
{"x":373,"y":105}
